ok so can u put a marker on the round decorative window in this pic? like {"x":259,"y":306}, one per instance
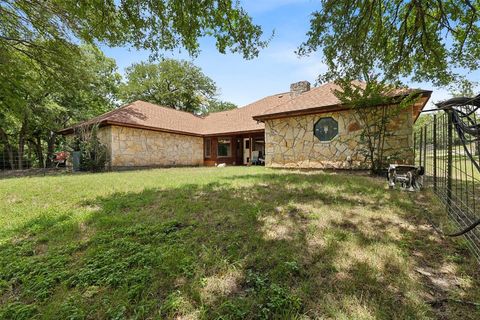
{"x":326,"y":129}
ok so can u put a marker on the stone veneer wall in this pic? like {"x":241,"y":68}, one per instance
{"x":105,"y":136}
{"x":138,"y":147}
{"x":291,"y":143}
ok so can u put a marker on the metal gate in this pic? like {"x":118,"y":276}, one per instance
{"x":450,"y":158}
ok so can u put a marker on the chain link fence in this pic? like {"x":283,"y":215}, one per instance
{"x":12,"y":166}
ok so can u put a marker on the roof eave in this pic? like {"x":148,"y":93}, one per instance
{"x":427,"y":95}
{"x":234,"y":133}
{"x":314,"y":110}
{"x":136,"y":126}
{"x":104,"y":123}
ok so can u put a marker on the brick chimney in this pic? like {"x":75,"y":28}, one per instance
{"x":298,"y":88}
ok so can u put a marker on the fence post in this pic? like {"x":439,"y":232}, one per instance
{"x":425,"y":147}
{"x":435,"y":152}
{"x":449,"y":160}
{"x":414,"y":147}
{"x":420,"y":148}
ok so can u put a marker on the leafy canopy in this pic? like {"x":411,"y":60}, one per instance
{"x":215,"y":105}
{"x":143,"y":24}
{"x":421,"y":40}
{"x":173,"y":83}
{"x":86,"y":88}
{"x":35,"y":103}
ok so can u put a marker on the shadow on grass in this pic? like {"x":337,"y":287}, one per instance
{"x":271,"y":246}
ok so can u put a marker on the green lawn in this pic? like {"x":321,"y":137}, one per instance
{"x":226,"y":243}
{"x":462,"y":166}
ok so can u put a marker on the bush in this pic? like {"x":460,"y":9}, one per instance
{"x":93,"y":154}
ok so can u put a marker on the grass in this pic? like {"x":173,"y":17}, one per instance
{"x":226,"y":243}
{"x":462,"y":166}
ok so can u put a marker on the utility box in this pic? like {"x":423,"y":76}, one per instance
{"x":76,"y":160}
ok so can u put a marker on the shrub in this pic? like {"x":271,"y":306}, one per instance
{"x":93,"y":154}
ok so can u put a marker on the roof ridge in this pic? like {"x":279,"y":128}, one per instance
{"x":245,"y":106}
{"x":303,"y":94}
{"x":314,"y":99}
{"x":108,"y":113}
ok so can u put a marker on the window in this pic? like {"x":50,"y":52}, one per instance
{"x":208,"y":147}
{"x":326,"y":129}
{"x":224,"y":147}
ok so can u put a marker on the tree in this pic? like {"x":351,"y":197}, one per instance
{"x":44,"y":30}
{"x":215,"y":105}
{"x":375,"y":105}
{"x":35,"y":104}
{"x":421,"y":40}
{"x":465,"y":89}
{"x":173,"y":83}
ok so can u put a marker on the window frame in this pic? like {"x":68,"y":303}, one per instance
{"x":229,"y":150}
{"x":207,"y":142}
{"x":337,"y":129}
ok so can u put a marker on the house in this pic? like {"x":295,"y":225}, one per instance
{"x":303,"y":128}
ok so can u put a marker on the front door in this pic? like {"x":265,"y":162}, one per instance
{"x":246,"y":150}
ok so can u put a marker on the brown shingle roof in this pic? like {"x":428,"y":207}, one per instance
{"x":151,"y":116}
{"x":241,"y":119}
{"x":315,"y":99}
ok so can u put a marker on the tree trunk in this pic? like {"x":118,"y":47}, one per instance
{"x":50,"y":150}
{"x":21,"y":143}
{"x":20,"y":151}
{"x":8,"y":147}
{"x":381,"y":142}
{"x":37,"y":146}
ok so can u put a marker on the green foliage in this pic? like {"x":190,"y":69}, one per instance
{"x":93,"y":154}
{"x":423,"y":120}
{"x":125,"y":257}
{"x":215,"y":105}
{"x":421,"y":40}
{"x":173,"y":83}
{"x":154,"y":26}
{"x":375,"y":106}
{"x":18,"y":311}
{"x":35,"y":104}
{"x":271,"y":298}
{"x":174,"y":304}
{"x":464,"y":88}
{"x":48,"y":81}
{"x":152,"y":244}
{"x":177,"y":84}
{"x":71,"y":310}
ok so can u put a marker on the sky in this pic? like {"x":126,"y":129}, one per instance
{"x":244,"y":81}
